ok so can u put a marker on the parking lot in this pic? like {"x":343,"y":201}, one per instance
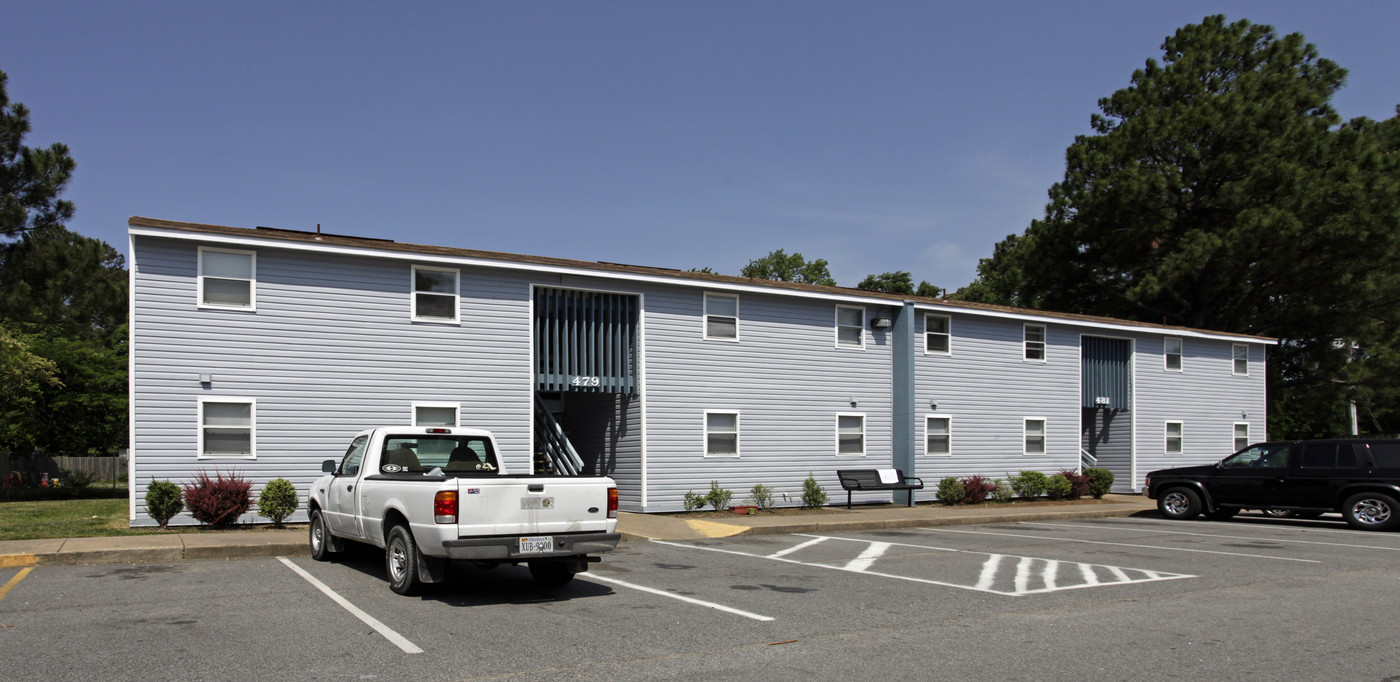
{"x":1119,"y":598}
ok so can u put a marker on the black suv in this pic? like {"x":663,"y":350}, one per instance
{"x":1358,"y":477}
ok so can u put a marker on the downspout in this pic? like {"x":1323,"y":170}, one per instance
{"x":902,"y":369}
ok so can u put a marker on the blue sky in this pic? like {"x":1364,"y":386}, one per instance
{"x":877,"y":135}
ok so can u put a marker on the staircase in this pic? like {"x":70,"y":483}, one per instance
{"x":553,"y":444}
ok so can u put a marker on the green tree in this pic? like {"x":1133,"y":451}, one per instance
{"x":1220,"y":190}
{"x":30,"y":179}
{"x":899,"y":282}
{"x":781,"y":267}
{"x":23,"y":377}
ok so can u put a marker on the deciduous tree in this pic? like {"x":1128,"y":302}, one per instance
{"x":781,"y":267}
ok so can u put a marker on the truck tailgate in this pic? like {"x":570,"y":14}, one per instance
{"x":531,"y":505}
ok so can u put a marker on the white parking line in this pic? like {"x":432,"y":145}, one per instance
{"x":794,"y":548}
{"x":1122,"y":544}
{"x":399,"y":640}
{"x":867,"y":558}
{"x":688,"y":600}
{"x":1215,"y":535}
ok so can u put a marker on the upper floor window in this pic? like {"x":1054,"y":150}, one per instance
{"x":721,"y":434}
{"x":1035,"y":342}
{"x":435,"y":297}
{"x":226,"y":427}
{"x":938,"y":334}
{"x":1241,"y":435}
{"x":435,"y":414}
{"x":850,"y":326}
{"x":938,"y":435}
{"x":850,"y":435}
{"x":226,"y":278}
{"x":1034,"y":431}
{"x":1241,"y":355}
{"x":1175,"y":434}
{"x":722,"y":317}
{"x":1171,"y":352}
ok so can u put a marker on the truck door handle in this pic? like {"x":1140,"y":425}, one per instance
{"x":536,"y":487}
{"x":349,"y":488}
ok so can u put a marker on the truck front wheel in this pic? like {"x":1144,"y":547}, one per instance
{"x":551,"y":573}
{"x":401,"y":561}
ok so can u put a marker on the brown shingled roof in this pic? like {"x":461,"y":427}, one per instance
{"x":277,"y":234}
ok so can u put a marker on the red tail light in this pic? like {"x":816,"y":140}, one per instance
{"x":612,"y":503}
{"x":445,"y":507}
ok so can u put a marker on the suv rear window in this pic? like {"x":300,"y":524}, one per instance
{"x":1387,"y":455}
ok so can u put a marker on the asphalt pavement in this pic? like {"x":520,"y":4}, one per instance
{"x":264,"y":542}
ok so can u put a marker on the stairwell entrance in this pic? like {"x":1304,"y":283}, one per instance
{"x":1106,"y":433}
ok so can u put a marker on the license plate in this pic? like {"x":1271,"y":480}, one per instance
{"x":541,"y":544}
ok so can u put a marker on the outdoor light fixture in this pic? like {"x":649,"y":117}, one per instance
{"x":881,"y":322}
{"x":206,"y":378}
{"x":933,"y":404}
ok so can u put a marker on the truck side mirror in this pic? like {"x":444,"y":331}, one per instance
{"x":328,"y":466}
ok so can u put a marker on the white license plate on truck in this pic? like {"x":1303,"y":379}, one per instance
{"x":540,"y":544}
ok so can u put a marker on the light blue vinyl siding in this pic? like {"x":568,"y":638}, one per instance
{"x":330,"y":351}
{"x":987,"y":388}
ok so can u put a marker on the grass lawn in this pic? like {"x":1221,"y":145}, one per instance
{"x":71,"y":518}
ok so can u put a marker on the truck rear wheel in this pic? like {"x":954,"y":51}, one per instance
{"x":551,"y":573}
{"x":401,"y":561}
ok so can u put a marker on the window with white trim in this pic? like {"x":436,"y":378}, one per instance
{"x":1171,"y":354}
{"x":850,"y":326}
{"x":1175,"y":434}
{"x":1035,"y":342}
{"x":1034,"y":431}
{"x":850,"y":435}
{"x":435,"y":414}
{"x":938,"y":335}
{"x":721,"y":434}
{"x":1240,"y":352}
{"x":938,"y":435}
{"x":1241,"y":435}
{"x":722,"y":317}
{"x":435,"y":294}
{"x":227,"y":428}
{"x":227,"y":278}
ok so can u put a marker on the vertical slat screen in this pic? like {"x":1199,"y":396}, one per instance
{"x":585,"y":335}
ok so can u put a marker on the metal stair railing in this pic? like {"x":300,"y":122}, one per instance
{"x":549,"y":436}
{"x":1086,"y":459}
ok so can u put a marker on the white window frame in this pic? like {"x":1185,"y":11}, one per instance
{"x":705,"y":428}
{"x":863,"y":448}
{"x":1167,"y":355}
{"x":949,"y":433}
{"x":947,"y":335}
{"x":252,"y":404}
{"x":1180,"y":438}
{"x":1235,"y":359}
{"x":705,"y":317}
{"x":455,"y":407}
{"x":252,"y":279}
{"x":860,"y":329}
{"x":1235,"y":433}
{"x":1026,"y":436}
{"x":456,"y":294}
{"x":1026,"y":342}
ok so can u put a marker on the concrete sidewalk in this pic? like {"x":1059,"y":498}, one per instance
{"x":240,"y":544}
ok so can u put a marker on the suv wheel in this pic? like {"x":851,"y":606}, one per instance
{"x":1179,"y":503}
{"x":1371,"y":511}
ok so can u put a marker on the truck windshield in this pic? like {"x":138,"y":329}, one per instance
{"x":455,"y":455}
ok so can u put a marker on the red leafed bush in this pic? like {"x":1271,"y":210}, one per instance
{"x":218,"y":501}
{"x":1078,"y":484}
{"x":977,"y":488}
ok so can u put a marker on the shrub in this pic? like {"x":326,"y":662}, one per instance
{"x":1100,"y":481}
{"x":812,"y":494}
{"x":1003,"y":492}
{"x":1058,"y":487}
{"x":1078,"y":484}
{"x":76,"y":479}
{"x":693,"y":501}
{"x":761,"y":496}
{"x":277,"y":500}
{"x":951,"y":490}
{"x":718,"y":497}
{"x":163,"y":501}
{"x":976,"y":488}
{"x":1028,"y":484}
{"x":218,"y":501}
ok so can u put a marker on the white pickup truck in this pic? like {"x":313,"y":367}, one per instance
{"x":428,"y":495}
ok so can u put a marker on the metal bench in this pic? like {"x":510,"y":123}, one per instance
{"x":877,"y":479}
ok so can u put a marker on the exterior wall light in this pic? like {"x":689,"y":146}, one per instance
{"x":881,"y":322}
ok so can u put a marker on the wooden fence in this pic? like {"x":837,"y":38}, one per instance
{"x":29,"y":470}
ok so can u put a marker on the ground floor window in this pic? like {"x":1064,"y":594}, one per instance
{"x":435,"y":414}
{"x":226,"y":427}
{"x":721,"y":434}
{"x":1241,"y":435}
{"x":1174,"y":435}
{"x":850,"y":435}
{"x":938,"y":435}
{"x":1035,"y":435}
